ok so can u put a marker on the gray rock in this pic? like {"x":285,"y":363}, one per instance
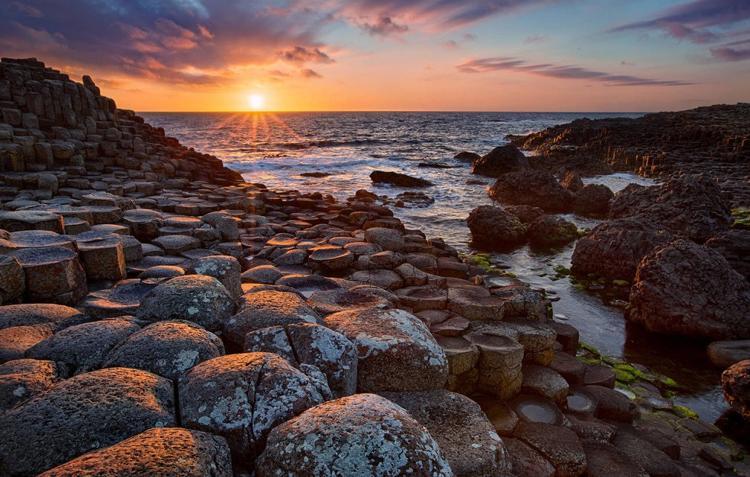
{"x":60,"y":316}
{"x":86,"y":412}
{"x":461,"y":429}
{"x":362,"y":434}
{"x":396,"y":350}
{"x":84,"y":347}
{"x":23,"y":379}
{"x":223,"y":268}
{"x":242,"y":397}
{"x":267,"y":308}
{"x":166,"y":348}
{"x":197,"y":298}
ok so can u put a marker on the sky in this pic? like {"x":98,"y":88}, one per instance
{"x":444,"y":55}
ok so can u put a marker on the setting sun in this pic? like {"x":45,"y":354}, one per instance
{"x":255,"y":101}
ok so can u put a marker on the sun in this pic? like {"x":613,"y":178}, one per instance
{"x":256,"y":101}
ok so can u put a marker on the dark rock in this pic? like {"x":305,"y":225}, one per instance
{"x":59,"y":316}
{"x":52,"y":275}
{"x":500,"y":160}
{"x":606,"y":460}
{"x":167,"y":348}
{"x":15,"y":341}
{"x":734,"y":245}
{"x":466,"y":156}
{"x":525,"y":213}
{"x":532,"y":187}
{"x":81,"y":414}
{"x":527,"y":462}
{"x":559,"y":445}
{"x":84,"y":347}
{"x":242,"y":397}
{"x":223,"y":268}
{"x":398,"y":179}
{"x":725,"y":353}
{"x":651,"y":459}
{"x":592,"y":200}
{"x":494,"y":227}
{"x":396,"y":350}
{"x":614,"y":249}
{"x":23,"y":379}
{"x":458,"y":425}
{"x":688,"y":289}
{"x":551,"y":231}
{"x":611,"y":404}
{"x":157,"y":451}
{"x":690,"y":206}
{"x":197,"y":298}
{"x":571,"y":180}
{"x":12,"y":279}
{"x":267,"y":308}
{"x":364,"y":434}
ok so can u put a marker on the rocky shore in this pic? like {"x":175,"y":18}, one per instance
{"x":160,"y":316}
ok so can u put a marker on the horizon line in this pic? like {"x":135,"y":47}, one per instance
{"x":392,"y":111}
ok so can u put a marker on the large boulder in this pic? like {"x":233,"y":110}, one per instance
{"x":551,"y":231}
{"x":52,"y":275}
{"x":311,"y":344}
{"x":84,"y":347}
{"x":734,"y":245}
{"x":690,"y":206}
{"x":166,"y":348}
{"x":495,"y":228}
{"x":197,"y":298}
{"x":614,"y":249}
{"x":398,"y":179}
{"x":158,"y":451}
{"x":688,"y":289}
{"x":242,"y":397}
{"x":86,"y":412}
{"x":532,"y":187}
{"x":362,"y":434}
{"x":500,"y":160}
{"x":395,"y":349}
{"x":224,"y":268}
{"x":58,"y":316}
{"x":592,"y":200}
{"x":461,"y":429}
{"x":267,"y":308}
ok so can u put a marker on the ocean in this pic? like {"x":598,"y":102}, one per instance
{"x":276,"y":149}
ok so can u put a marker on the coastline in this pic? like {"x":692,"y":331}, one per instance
{"x":126,"y":230}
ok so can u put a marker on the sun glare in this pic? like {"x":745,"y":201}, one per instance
{"x":255,"y":101}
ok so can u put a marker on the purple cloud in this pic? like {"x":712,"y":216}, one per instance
{"x":301,"y":54}
{"x":384,"y":26}
{"x":694,"y":20}
{"x":727,"y":53}
{"x":486,"y":65}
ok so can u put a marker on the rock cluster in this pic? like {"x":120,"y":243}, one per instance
{"x":222,"y":328}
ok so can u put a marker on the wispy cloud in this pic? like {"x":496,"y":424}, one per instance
{"x":301,"y":55}
{"x":701,"y":22}
{"x":486,"y":65}
{"x":384,"y":26}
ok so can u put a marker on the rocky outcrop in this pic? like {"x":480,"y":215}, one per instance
{"x":398,"y":179}
{"x":592,"y":200}
{"x":734,"y":245}
{"x":532,"y":187}
{"x":500,"y":160}
{"x":735,"y":381}
{"x":551,"y":231}
{"x":690,"y":206}
{"x":495,"y":228}
{"x":712,"y":140}
{"x":688,"y":289}
{"x":614,"y":249}
{"x":96,"y":133}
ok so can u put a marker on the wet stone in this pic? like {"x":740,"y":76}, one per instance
{"x":308,"y":284}
{"x":536,"y":409}
{"x":86,"y":412}
{"x":123,"y":298}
